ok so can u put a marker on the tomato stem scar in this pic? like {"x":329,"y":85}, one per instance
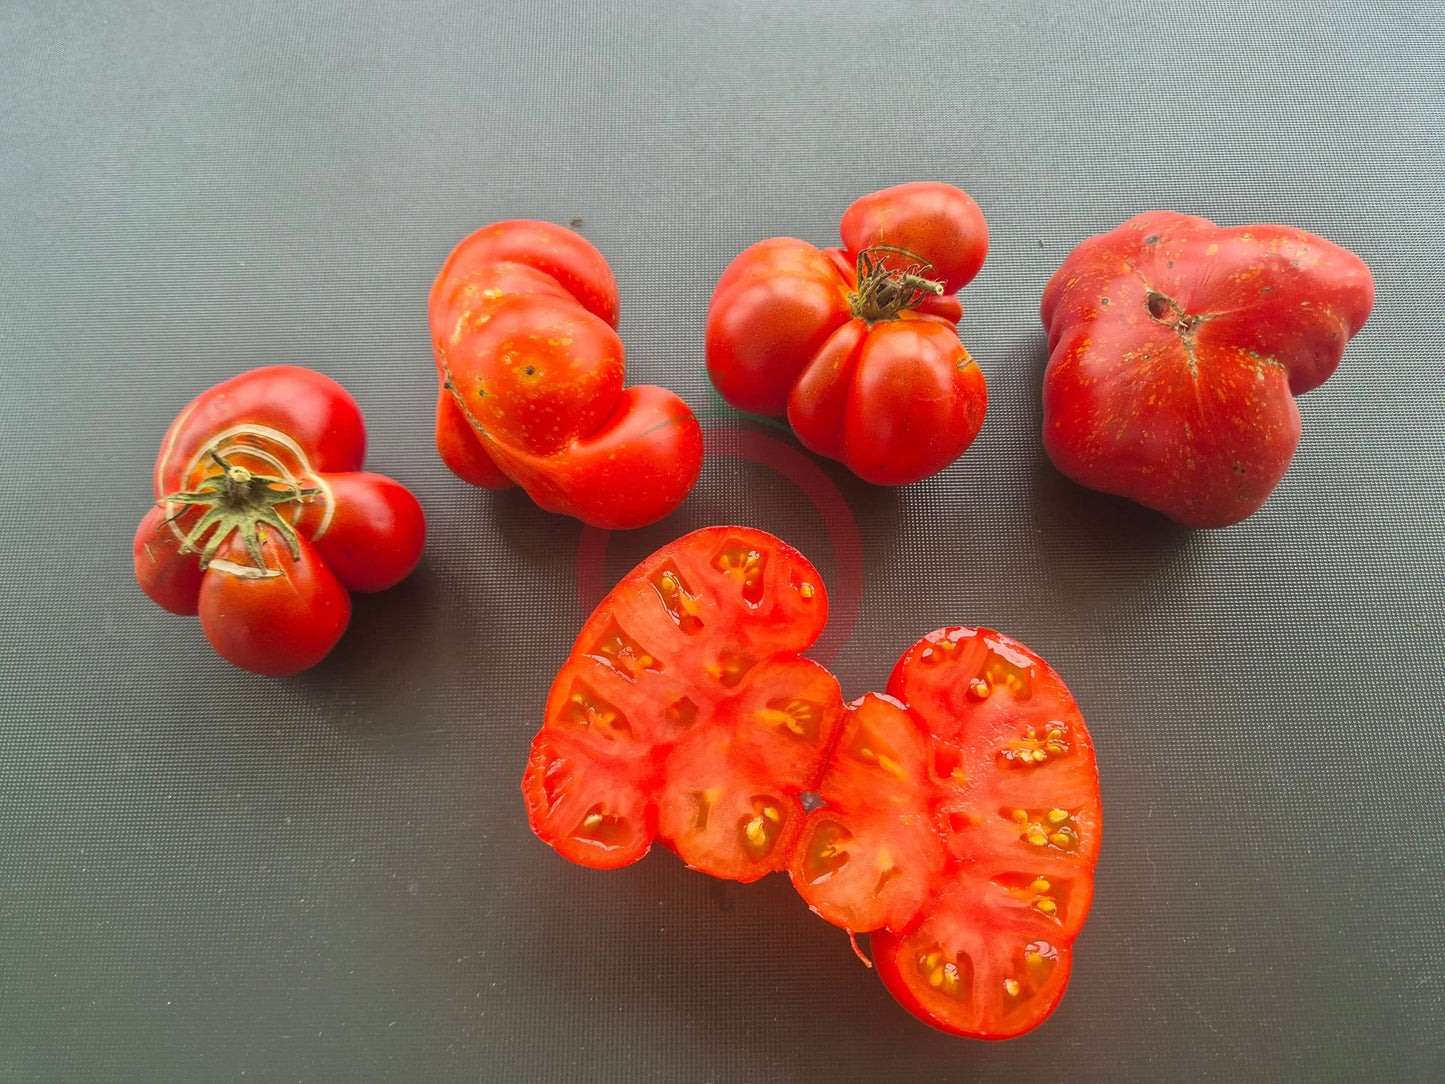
{"x":235,"y":499}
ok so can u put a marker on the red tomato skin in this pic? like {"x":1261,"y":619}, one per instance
{"x":936,"y":221}
{"x":1176,"y":350}
{"x":538,"y":375}
{"x":523,"y":318}
{"x":277,"y":625}
{"x":170,"y":579}
{"x":376,"y":534}
{"x":564,"y":255}
{"x":774,"y":307}
{"x":462,"y":449}
{"x":311,"y":409}
{"x":913,"y":401}
{"x":651,"y":433}
{"x":789,"y":332}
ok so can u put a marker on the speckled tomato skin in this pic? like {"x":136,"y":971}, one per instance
{"x":523,"y":317}
{"x":1176,"y":348}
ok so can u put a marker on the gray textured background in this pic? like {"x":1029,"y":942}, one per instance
{"x":208,"y":876}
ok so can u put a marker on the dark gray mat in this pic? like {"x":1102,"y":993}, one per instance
{"x":206,"y":876}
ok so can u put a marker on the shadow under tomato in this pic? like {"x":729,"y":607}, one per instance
{"x":675,"y":952}
{"x":378,"y":682}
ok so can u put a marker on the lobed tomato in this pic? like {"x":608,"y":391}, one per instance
{"x":1176,"y":350}
{"x":858,"y":346}
{"x":523,"y":319}
{"x":956,"y":817}
{"x":264,"y":520}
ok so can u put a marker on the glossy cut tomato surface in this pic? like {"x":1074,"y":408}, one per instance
{"x":961,"y":825}
{"x":524,"y":329}
{"x":1176,"y":350}
{"x":858,"y":346}
{"x":264,"y":520}
{"x":956,"y":817}
{"x":685,"y":712}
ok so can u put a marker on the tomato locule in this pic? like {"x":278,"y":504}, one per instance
{"x":524,"y":328}
{"x":264,"y":521}
{"x":858,"y":346}
{"x":956,"y":816}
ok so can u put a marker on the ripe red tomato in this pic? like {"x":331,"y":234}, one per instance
{"x":1176,"y":350}
{"x":959,"y":817}
{"x":523,"y":318}
{"x":858,"y":346}
{"x":264,"y":520}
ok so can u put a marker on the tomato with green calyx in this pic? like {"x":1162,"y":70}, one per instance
{"x":858,"y":346}
{"x":523,"y":319}
{"x":264,"y":521}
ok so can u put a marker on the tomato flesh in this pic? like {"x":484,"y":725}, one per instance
{"x":956,"y":816}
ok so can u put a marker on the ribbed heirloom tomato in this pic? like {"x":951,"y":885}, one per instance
{"x":523,"y":320}
{"x":858,"y":346}
{"x":956,"y":816}
{"x":264,"y":520}
{"x":1176,"y":348}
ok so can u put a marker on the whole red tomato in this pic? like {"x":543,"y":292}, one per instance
{"x":957,"y":817}
{"x":858,"y":346}
{"x":1176,"y":350}
{"x":523,"y":319}
{"x":264,"y":519}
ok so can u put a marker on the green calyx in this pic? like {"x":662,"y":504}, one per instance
{"x":237,"y":500}
{"x":883,"y":292}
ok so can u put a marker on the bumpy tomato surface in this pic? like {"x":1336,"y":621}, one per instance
{"x":956,"y":817}
{"x":523,"y":319}
{"x":264,"y":520}
{"x":858,"y":346}
{"x":1176,"y":350}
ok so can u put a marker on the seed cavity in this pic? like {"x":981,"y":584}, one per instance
{"x":795,"y":715}
{"x":827,"y":851}
{"x":761,"y":830}
{"x":731,"y":667}
{"x":1036,"y":746}
{"x":682,"y":713}
{"x":1045,"y":827}
{"x":1008,"y":670}
{"x":622,"y":654}
{"x":870,"y":748}
{"x":702,"y":805}
{"x":680,"y":602}
{"x":950,"y":976}
{"x":585,"y":708}
{"x":738,"y":560}
{"x":604,"y":828}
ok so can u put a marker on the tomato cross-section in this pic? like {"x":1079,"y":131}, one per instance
{"x":956,"y":816}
